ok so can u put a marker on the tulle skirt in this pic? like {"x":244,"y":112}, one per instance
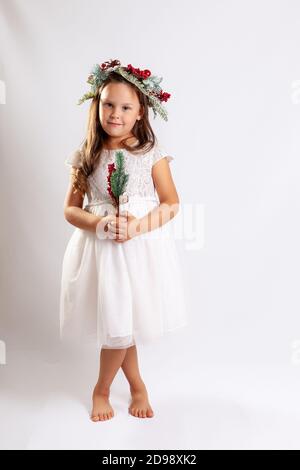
{"x":121,"y":294}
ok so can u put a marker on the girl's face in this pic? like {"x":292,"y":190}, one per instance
{"x":119,"y":105}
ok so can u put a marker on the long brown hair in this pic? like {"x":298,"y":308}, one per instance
{"x":93,"y":143}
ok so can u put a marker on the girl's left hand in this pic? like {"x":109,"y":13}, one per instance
{"x":128,"y":224}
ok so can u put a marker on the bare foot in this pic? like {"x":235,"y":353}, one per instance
{"x":140,"y":406}
{"x":102,"y":409}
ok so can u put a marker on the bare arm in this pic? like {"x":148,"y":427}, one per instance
{"x":168,"y":197}
{"x":74,"y":213}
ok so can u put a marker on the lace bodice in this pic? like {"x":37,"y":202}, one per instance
{"x":138,"y":166}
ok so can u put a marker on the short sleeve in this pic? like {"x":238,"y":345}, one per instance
{"x":159,"y":153}
{"x":74,"y":159}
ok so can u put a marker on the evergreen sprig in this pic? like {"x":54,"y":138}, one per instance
{"x":117,"y":179}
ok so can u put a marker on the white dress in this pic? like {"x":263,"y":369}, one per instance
{"x":121,"y":294}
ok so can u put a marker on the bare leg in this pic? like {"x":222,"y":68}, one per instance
{"x":110,"y":362}
{"x":139,"y":406}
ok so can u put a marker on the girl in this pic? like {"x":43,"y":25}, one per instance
{"x":121,"y":280}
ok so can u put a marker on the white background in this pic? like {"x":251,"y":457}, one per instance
{"x":231,"y":378}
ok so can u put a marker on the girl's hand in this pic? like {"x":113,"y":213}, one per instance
{"x":124,"y":227}
{"x":102,"y":230}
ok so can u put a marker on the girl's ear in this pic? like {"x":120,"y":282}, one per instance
{"x":141,"y":114}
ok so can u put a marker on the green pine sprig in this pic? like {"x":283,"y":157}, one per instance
{"x":119,"y":178}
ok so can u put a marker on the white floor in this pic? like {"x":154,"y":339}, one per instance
{"x":45,"y":404}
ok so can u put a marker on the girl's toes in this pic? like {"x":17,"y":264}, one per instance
{"x":95,"y":418}
{"x":144,"y":414}
{"x":150,"y":413}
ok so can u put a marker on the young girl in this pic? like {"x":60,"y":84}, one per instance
{"x":121,"y":279}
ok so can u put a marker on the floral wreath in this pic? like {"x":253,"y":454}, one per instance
{"x":142,"y":79}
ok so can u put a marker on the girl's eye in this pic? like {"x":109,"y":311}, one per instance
{"x":125,"y":107}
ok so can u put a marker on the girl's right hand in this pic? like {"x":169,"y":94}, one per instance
{"x":110,"y":226}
